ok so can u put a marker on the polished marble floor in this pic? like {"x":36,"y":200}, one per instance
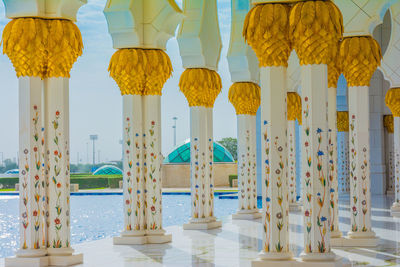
{"x":238,"y":242}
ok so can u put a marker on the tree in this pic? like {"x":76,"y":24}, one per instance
{"x":230,"y":144}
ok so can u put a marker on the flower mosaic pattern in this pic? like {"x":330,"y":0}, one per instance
{"x":292,"y":166}
{"x":133,"y":197}
{"x":247,"y":176}
{"x":59,"y":180}
{"x":210,"y":177}
{"x":333,"y":180}
{"x":152,"y":170}
{"x":275,"y":192}
{"x":316,"y":186}
{"x":359,"y":173}
{"x":33,"y":188}
{"x":343,"y":164}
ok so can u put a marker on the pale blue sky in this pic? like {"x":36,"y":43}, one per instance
{"x":96,"y":103}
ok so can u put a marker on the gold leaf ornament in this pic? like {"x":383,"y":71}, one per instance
{"x":140,"y":71}
{"x":200,"y":86}
{"x":42,"y":47}
{"x":294,"y":107}
{"x":388,"y":123}
{"x":334,"y":67}
{"x":359,"y":57}
{"x":266,"y":30}
{"x":342,"y":121}
{"x":315,"y":29}
{"x":392,"y":100}
{"x":245,"y":97}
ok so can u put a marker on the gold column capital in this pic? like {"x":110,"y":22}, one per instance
{"x":359,"y":56}
{"x":294,"y":107}
{"x":315,"y":29}
{"x":42,"y":47}
{"x":245,"y":97}
{"x":342,"y":121}
{"x":392,"y":100}
{"x":200,"y":86}
{"x":140,"y":71}
{"x":388,"y":123}
{"x":334,"y":67}
{"x":266,"y":30}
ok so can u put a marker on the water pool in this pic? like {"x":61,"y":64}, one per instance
{"x":96,"y":217}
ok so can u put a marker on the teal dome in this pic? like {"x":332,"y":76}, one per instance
{"x":107,"y":170}
{"x":181,"y":154}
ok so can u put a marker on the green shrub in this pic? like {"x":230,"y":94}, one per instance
{"x":8,"y":182}
{"x":114,"y":182}
{"x":85,"y":181}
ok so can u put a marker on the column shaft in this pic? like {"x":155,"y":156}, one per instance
{"x":291,"y":168}
{"x":33,"y":241}
{"x":360,"y":201}
{"x":209,"y":163}
{"x":274,"y":159}
{"x":343,"y":162}
{"x":152,"y":163}
{"x":315,"y":162}
{"x":247,"y":164}
{"x":396,"y":142}
{"x":198,"y":161}
{"x":57,"y":158}
{"x":333,"y":163}
{"x":134,"y":208}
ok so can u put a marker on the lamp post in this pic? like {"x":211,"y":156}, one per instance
{"x":94,"y":137}
{"x":174,"y":127}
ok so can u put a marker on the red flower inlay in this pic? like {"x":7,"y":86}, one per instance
{"x":57,"y":221}
{"x":153,"y":208}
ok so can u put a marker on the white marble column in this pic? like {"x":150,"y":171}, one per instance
{"x":274,"y":159}
{"x":56,"y":95}
{"x":152,"y":169}
{"x":133,"y":180}
{"x":247,"y":180}
{"x":315,"y":163}
{"x":201,"y":149}
{"x":360,"y":195}
{"x":32,"y":200}
{"x":333,"y":164}
{"x":343,"y":162}
{"x":209,"y":164}
{"x":390,"y":163}
{"x":291,"y":165}
{"x":395,"y":209}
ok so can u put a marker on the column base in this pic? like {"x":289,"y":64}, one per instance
{"x":395,"y":209}
{"x":58,"y":260}
{"x":296,"y":206}
{"x":159,"y":239}
{"x":297,"y":262}
{"x":336,"y":234}
{"x":26,"y":262}
{"x":356,"y":239}
{"x":202,"y":224}
{"x":390,"y":192}
{"x":66,"y":260}
{"x":247,"y":215}
{"x":142,"y":237}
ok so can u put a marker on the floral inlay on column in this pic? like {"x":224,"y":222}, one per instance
{"x":360,"y":56}
{"x":245,"y":97}
{"x":392,"y":100}
{"x":316,"y":50}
